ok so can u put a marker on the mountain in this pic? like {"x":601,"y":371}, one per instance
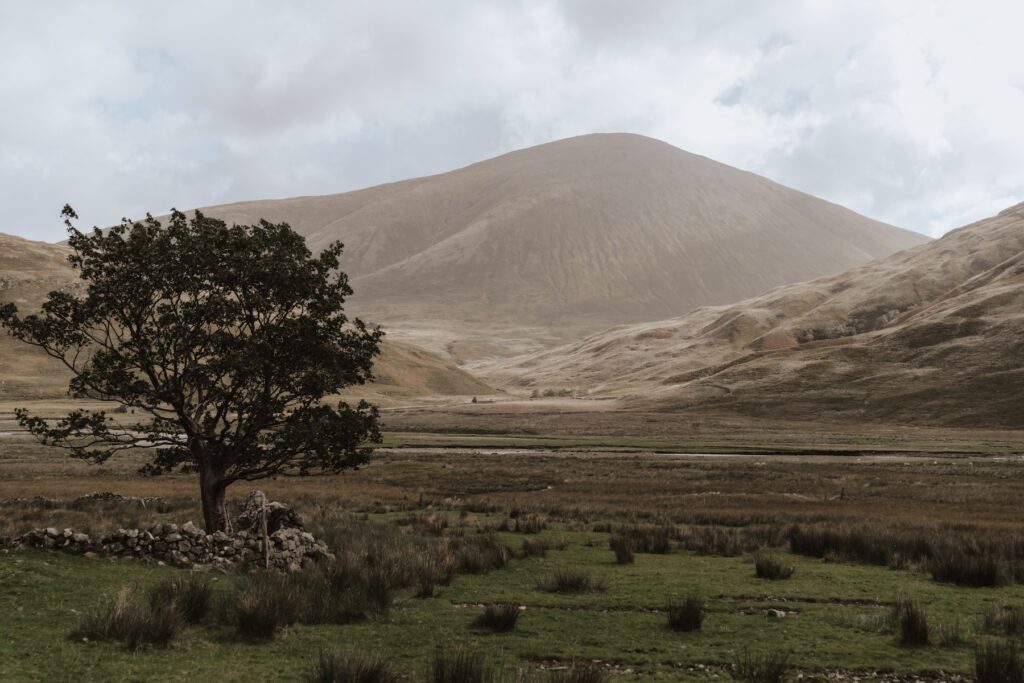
{"x":29,"y":270}
{"x":535,"y":245}
{"x":934,"y":335}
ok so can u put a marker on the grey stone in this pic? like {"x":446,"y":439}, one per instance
{"x":279,"y":515}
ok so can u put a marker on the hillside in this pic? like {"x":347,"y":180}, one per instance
{"x":934,"y":334}
{"x":577,"y":234}
{"x":29,"y":270}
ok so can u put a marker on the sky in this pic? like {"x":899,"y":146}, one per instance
{"x":908,"y":112}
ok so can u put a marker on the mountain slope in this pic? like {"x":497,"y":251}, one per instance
{"x":584,"y":232}
{"x":934,"y":334}
{"x":29,"y":270}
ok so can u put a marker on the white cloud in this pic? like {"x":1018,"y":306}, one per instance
{"x":908,"y":112}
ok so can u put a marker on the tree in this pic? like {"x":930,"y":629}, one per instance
{"x":226,"y":340}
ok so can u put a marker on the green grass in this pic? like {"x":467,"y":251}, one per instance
{"x":831,"y":621}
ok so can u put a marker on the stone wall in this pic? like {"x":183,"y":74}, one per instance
{"x":290,"y":547}
{"x":185,"y":546}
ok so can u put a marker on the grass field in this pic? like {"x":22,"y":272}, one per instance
{"x":835,"y":619}
{"x":837,"y":609}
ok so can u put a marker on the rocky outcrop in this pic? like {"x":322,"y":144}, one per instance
{"x":279,"y":515}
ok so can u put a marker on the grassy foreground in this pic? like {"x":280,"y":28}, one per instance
{"x":836,"y":618}
{"x":906,"y":511}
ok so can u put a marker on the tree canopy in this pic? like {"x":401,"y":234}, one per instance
{"x":227,"y":340}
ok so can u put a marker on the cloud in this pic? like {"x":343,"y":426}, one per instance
{"x":908,"y":112}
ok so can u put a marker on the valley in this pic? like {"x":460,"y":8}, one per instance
{"x":654,"y":418}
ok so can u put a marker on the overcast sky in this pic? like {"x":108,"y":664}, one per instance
{"x":909,"y":112}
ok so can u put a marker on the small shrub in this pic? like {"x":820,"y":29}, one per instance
{"x":687,"y":614}
{"x":969,"y":570}
{"x":570,"y":581}
{"x":534,"y":547}
{"x":771,"y":567}
{"x":580,"y":672}
{"x":132,"y":621}
{"x":602,"y":527}
{"x":770,"y":667}
{"x":333,"y":667}
{"x":999,"y":662}
{"x":190,"y":594}
{"x":622,"y":548}
{"x":911,"y":622}
{"x":497,"y":618}
{"x":462,"y":666}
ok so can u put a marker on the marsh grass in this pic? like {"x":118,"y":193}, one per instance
{"x":958,"y":556}
{"x":970,"y":570}
{"x":530,"y":524}
{"x":579,"y":672}
{"x":999,"y":661}
{"x":687,"y":614}
{"x":263,"y":603}
{"x":622,"y":548}
{"x":1007,"y":620}
{"x":767,"y":667}
{"x":911,"y":623}
{"x":648,"y":538}
{"x":571,"y":581}
{"x":497,"y":618}
{"x":477,"y":554}
{"x":132,"y":620}
{"x":731,"y":541}
{"x":463,"y":666}
{"x":190,"y":594}
{"x":533,"y":547}
{"x":770,"y":566}
{"x":334,"y":667}
{"x":950,"y":633}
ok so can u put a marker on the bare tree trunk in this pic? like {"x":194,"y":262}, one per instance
{"x":212,"y":489}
